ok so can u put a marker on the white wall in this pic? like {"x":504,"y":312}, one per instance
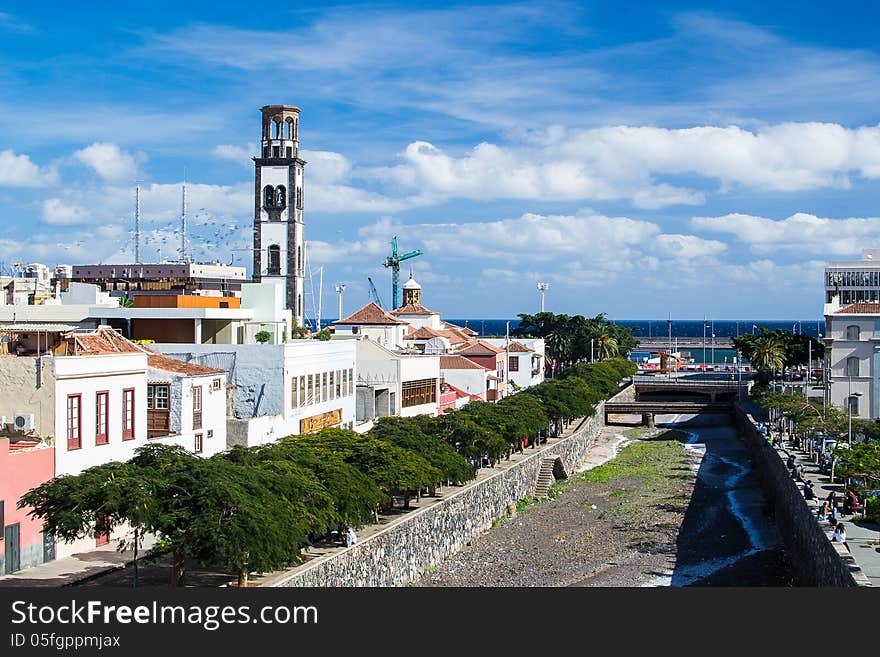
{"x":867,"y":383}
{"x":213,"y":413}
{"x":389,"y":336}
{"x":87,"y":375}
{"x":471,"y":381}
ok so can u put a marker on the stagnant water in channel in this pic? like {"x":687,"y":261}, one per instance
{"x":728,"y":536}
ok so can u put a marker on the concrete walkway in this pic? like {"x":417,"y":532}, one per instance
{"x":77,"y":568}
{"x":863,"y":538}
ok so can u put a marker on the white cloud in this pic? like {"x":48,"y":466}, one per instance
{"x":58,"y":213}
{"x":108,"y":161}
{"x":801,"y":233}
{"x":240,"y":154}
{"x":19,"y":171}
{"x":630,"y":163}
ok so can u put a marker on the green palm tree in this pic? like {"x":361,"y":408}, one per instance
{"x":606,"y":344}
{"x":768,"y":354}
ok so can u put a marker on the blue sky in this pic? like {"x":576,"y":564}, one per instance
{"x":694,"y":159}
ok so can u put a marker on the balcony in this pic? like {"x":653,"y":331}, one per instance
{"x":492,"y":395}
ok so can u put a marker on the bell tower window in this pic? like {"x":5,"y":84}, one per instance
{"x":280,"y":197}
{"x":268,"y":196}
{"x":274,"y":268}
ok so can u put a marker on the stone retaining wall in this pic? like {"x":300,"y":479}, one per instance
{"x":816,"y":560}
{"x":405,"y":550}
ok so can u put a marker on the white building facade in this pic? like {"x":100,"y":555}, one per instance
{"x":279,"y":390}
{"x":853,"y":357}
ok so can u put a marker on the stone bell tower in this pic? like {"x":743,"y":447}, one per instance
{"x":279,"y":241}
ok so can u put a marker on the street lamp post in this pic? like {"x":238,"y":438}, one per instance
{"x":849,"y":405}
{"x":542,"y":288}
{"x":340,"y":288}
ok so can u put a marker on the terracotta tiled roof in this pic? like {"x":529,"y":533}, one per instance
{"x":413,"y":309}
{"x":459,"y":393}
{"x":861,"y":308}
{"x":479,"y":348}
{"x":169,"y":364}
{"x":424,"y":333}
{"x":462,"y":329}
{"x":370,"y":314}
{"x":457,"y":362}
{"x":102,"y":340}
{"x":517,"y":347}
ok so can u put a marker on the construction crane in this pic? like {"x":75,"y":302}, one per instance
{"x":393,"y":261}
{"x":374,"y":293}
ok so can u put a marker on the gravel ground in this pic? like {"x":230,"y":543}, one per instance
{"x":619,"y":533}
{"x":692,"y":516}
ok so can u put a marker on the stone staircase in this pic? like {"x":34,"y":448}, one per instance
{"x":546,"y":476}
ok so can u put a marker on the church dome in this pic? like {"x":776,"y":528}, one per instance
{"x":411,"y":284}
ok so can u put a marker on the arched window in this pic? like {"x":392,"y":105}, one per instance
{"x":268,"y":196}
{"x":280,"y":197}
{"x":290,"y":128}
{"x":852,"y":332}
{"x":274,"y":268}
{"x":277,"y":124}
{"x":852,"y":366}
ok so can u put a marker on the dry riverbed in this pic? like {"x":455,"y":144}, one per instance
{"x":613,"y":525}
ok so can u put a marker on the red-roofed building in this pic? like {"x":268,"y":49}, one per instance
{"x":373,"y":322}
{"x":470,"y":376}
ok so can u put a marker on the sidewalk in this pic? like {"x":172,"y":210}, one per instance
{"x":77,"y":568}
{"x":863,"y":538}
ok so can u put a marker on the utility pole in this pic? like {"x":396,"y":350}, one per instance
{"x":183,"y":222}
{"x":137,"y":223}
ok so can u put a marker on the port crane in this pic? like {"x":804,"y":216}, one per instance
{"x":393,"y":262}
{"x":374,"y":293}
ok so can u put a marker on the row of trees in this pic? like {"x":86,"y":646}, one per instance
{"x":574,"y":339}
{"x":256,"y":509}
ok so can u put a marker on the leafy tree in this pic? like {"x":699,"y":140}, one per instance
{"x":392,"y":468}
{"x":423,"y":435}
{"x":323,"y":335}
{"x":263,"y":337}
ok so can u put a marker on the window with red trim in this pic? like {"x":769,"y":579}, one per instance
{"x":128,"y":414}
{"x":197,"y":407}
{"x":102,"y":417}
{"x":74,"y":421}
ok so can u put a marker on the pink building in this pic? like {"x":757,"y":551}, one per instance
{"x":24,"y":464}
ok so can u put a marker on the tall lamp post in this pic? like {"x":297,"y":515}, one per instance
{"x":849,"y":405}
{"x":340,"y":288}
{"x":542,"y":288}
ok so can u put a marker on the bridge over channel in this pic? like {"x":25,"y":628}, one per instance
{"x":650,"y":395}
{"x":649,"y":409}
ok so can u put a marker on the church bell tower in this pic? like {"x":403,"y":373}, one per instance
{"x":279,"y":242}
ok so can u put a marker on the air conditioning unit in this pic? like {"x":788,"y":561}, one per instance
{"x":24,"y":421}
